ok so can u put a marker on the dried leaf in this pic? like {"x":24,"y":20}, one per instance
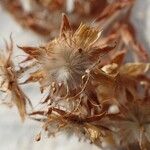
{"x":65,"y":25}
{"x":135,"y":69}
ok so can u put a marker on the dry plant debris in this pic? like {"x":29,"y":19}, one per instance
{"x":9,"y":84}
{"x":93,"y":89}
{"x":42,"y":14}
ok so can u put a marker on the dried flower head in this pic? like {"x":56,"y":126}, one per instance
{"x":9,"y":83}
{"x":69,"y":57}
{"x":71,"y":67}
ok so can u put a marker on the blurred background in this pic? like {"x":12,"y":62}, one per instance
{"x":15,"y":135}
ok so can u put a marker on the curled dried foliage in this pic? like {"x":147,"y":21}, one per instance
{"x":93,"y":90}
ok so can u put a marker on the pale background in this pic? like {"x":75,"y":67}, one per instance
{"x":17,"y":136}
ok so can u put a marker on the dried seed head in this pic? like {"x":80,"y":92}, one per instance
{"x":66,"y":58}
{"x":69,"y":58}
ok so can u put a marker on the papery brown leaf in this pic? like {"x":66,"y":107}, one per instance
{"x":111,"y":9}
{"x":32,"y":51}
{"x":65,"y":25}
{"x":94,"y":132}
{"x":111,"y":69}
{"x":35,"y":77}
{"x":135,"y":69}
{"x":18,"y":97}
{"x":20,"y":102}
{"x":51,"y":5}
{"x":85,"y":36}
{"x":100,"y":52}
{"x":118,"y":58}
